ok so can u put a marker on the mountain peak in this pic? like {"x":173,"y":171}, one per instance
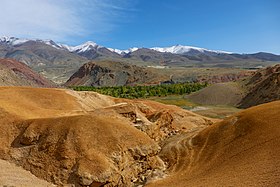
{"x":83,"y":47}
{"x":90,"y":43}
{"x":11,"y":40}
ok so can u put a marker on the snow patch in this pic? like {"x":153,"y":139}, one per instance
{"x":12,"y":40}
{"x":83,"y":47}
{"x":122,"y":52}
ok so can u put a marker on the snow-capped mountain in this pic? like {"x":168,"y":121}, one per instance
{"x":87,"y":46}
{"x":122,"y":52}
{"x":176,"y":49}
{"x":12,"y":40}
{"x":18,"y":41}
{"x":81,"y":48}
{"x":92,"y":50}
{"x":180,"y":49}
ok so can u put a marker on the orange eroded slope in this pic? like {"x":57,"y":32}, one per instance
{"x":242,"y":150}
{"x":85,"y":138}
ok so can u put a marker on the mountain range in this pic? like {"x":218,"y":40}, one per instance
{"x":58,"y":62}
{"x":94,"y":47}
{"x":89,"y":45}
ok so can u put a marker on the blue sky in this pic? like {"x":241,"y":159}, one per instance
{"x":244,"y":26}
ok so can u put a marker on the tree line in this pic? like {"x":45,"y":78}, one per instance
{"x":145,"y":91}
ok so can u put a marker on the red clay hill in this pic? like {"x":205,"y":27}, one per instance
{"x":14,"y":73}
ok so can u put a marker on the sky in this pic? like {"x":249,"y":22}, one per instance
{"x":243,"y":26}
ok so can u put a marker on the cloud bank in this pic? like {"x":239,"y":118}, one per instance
{"x":61,"y":20}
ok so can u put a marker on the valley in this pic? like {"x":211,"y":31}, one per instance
{"x":93,"y":116}
{"x":139,"y":93}
{"x":213,"y":111}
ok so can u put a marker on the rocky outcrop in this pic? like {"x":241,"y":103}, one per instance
{"x":263,"y":87}
{"x":108,"y":73}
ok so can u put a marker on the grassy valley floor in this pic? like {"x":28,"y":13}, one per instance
{"x":214,"y":111}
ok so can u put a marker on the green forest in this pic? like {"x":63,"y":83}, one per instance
{"x":145,"y":91}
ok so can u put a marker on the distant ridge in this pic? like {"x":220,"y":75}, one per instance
{"x":176,"y":49}
{"x":58,"y":62}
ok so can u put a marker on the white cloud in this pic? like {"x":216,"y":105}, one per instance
{"x":60,"y":20}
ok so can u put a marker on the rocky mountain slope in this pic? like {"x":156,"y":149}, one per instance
{"x":261,"y":87}
{"x":53,"y":63}
{"x":14,"y":73}
{"x":108,"y":73}
{"x":139,"y":143}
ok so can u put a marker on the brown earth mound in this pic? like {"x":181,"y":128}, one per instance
{"x":242,"y":150}
{"x":84,"y":138}
{"x":218,"y":94}
{"x":14,"y":73}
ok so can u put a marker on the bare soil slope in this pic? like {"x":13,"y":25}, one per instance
{"x":218,"y":94}
{"x":14,"y":73}
{"x":242,"y":150}
{"x":84,"y":138}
